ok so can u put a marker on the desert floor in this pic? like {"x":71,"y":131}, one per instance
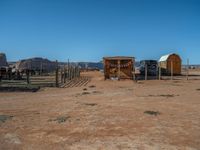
{"x":104,"y":115}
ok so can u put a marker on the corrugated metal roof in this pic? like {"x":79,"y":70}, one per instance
{"x":164,"y":58}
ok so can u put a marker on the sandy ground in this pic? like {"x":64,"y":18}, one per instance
{"x":107,"y":116}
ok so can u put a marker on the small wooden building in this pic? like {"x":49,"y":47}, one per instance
{"x":170,"y":64}
{"x":119,"y":67}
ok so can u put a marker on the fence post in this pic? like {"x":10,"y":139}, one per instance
{"x":146,"y":69}
{"x":57,"y":74}
{"x":70,"y":72}
{"x":79,"y":72}
{"x":0,"y":76}
{"x":159,"y":71}
{"x":41,"y":67}
{"x":187,"y":69}
{"x":118,"y":69}
{"x":172,"y":69}
{"x":64,"y":74}
{"x":133,"y":74}
{"x":27,"y":76}
{"x":75,"y":72}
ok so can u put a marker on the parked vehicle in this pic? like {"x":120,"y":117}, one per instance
{"x":151,"y":65}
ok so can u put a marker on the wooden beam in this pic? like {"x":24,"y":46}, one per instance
{"x":172,"y":69}
{"x":118,"y":62}
{"x":187,"y":69}
{"x":146,"y":69}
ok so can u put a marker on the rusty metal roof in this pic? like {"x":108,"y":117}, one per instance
{"x":119,"y":58}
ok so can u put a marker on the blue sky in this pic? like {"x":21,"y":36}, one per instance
{"x":87,"y":30}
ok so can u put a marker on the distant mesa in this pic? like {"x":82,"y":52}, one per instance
{"x":36,"y":63}
{"x":3,"y":60}
{"x":91,"y":65}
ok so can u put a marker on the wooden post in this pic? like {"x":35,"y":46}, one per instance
{"x":27,"y":76}
{"x":79,"y":72}
{"x":134,"y":74}
{"x":57,"y":84}
{"x":9,"y":74}
{"x":64,"y":74}
{"x":73,"y":72}
{"x":172,"y":69}
{"x":118,"y":69}
{"x":68,"y":70}
{"x":0,"y":76}
{"x":76,"y":72}
{"x":159,"y":72}
{"x":146,"y":69}
{"x":104,"y":68}
{"x":41,"y":68}
{"x":69,"y":73}
{"x":18,"y":75}
{"x":187,"y":69}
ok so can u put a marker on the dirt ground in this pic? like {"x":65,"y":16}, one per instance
{"x":104,"y":115}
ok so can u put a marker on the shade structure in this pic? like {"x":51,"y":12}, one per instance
{"x":119,"y":67}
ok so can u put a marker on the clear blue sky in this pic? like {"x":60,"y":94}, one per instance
{"x":87,"y":30}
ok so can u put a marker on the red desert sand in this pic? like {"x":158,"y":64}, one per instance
{"x":104,"y":115}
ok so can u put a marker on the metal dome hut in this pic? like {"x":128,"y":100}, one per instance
{"x":170,"y":64}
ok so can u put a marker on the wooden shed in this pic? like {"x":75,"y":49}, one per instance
{"x":119,"y":67}
{"x":170,"y":64}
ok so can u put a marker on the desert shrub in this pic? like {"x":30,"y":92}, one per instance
{"x":149,"y":112}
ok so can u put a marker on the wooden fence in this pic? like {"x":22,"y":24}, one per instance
{"x":62,"y":76}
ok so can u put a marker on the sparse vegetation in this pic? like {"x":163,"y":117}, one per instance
{"x":85,"y":89}
{"x":92,"y":86}
{"x":61,"y":119}
{"x":164,"y":95}
{"x":85,"y":93}
{"x":167,"y":95}
{"x":4,"y":118}
{"x":108,"y":115}
{"x":90,"y":104}
{"x":96,"y":92}
{"x":154,"y":113}
{"x":22,"y":88}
